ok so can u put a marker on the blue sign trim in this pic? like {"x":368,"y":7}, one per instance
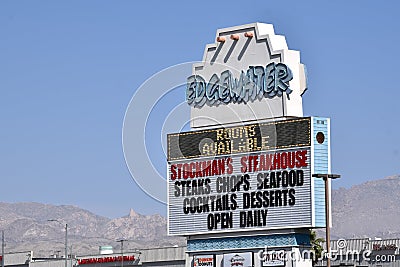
{"x":280,"y":240}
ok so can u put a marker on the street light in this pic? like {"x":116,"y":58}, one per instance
{"x":325,"y":177}
{"x":122,"y":250}
{"x":66,"y":240}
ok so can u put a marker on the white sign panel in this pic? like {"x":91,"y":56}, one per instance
{"x":247,"y":74}
{"x":203,"y":261}
{"x":274,"y":259}
{"x":238,"y":260}
{"x":243,"y":192}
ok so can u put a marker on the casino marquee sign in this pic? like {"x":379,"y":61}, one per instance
{"x":248,"y":177}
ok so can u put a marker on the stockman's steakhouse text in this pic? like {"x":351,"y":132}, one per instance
{"x":222,"y":166}
{"x":268,"y":177}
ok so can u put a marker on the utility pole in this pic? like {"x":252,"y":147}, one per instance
{"x":66,"y":240}
{"x":70,"y":252}
{"x":326,"y":178}
{"x":2,"y":248}
{"x":66,"y":245}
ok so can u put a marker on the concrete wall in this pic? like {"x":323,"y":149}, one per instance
{"x":17,"y":258}
{"x":173,"y":254}
{"x":51,"y":263}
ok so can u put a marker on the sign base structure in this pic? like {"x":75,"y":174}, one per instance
{"x":240,"y":185}
{"x":260,"y":249}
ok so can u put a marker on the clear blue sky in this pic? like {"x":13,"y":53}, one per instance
{"x":68,"y":70}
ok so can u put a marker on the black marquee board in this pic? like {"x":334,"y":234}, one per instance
{"x":240,"y":139}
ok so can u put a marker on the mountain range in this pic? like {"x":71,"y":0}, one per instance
{"x":27,"y":228}
{"x":370,"y":209}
